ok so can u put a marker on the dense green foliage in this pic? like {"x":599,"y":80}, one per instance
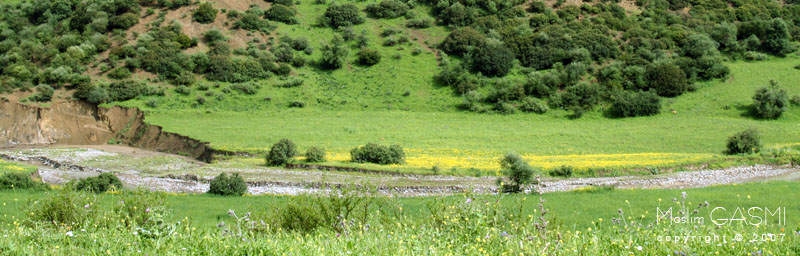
{"x":282,"y":13}
{"x":518,"y":173}
{"x":368,"y":57}
{"x":342,"y":15}
{"x":281,"y":152}
{"x":315,"y":154}
{"x":205,"y":13}
{"x":387,"y":9}
{"x":99,"y":184}
{"x":227,"y":185}
{"x":770,"y":102}
{"x":378,"y":154}
{"x":20,"y":180}
{"x":745,"y":142}
{"x":629,"y":104}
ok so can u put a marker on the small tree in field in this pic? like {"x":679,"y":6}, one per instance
{"x":770,"y":102}
{"x":281,"y":153}
{"x":225,"y":185}
{"x":745,"y":142}
{"x":518,"y":173}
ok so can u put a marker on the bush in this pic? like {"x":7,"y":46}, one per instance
{"x":119,"y":74}
{"x":387,"y":9}
{"x":517,"y":172}
{"x":563,"y":171}
{"x":245,"y":88}
{"x":420,"y":23}
{"x":461,"y":41}
{"x":225,"y":185}
{"x":43,"y":93}
{"x":98,"y":95}
{"x":667,"y":79}
{"x":333,"y":54}
{"x":770,"y":102}
{"x":124,"y":21}
{"x":99,"y":184}
{"x":281,"y":153}
{"x":745,"y":142}
{"x":315,"y":154}
{"x":125,"y":90}
{"x":205,"y":13}
{"x":18,"y":180}
{"x":795,"y":101}
{"x":282,"y":13}
{"x":369,"y":57}
{"x":582,"y":96}
{"x":65,"y":208}
{"x":378,"y":154}
{"x":533,"y":105}
{"x":630,"y":104}
{"x":342,"y":15}
{"x":213,"y":36}
{"x":297,"y":104}
{"x":493,"y":60}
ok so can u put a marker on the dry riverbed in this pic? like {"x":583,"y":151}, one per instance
{"x":172,"y":173}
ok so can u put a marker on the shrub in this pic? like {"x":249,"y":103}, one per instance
{"x":342,"y":15}
{"x":281,"y":153}
{"x":369,"y":57}
{"x":125,"y":90}
{"x":533,"y":105}
{"x":297,"y":104}
{"x":123,"y":21}
{"x":630,"y":104}
{"x":795,"y":100}
{"x":213,"y":36}
{"x":225,"y":185}
{"x":770,"y":102}
{"x":252,"y":21}
{"x":581,"y":96}
{"x":333,"y":54}
{"x":98,"y":95}
{"x":119,"y":74}
{"x":378,"y":154}
{"x":563,"y":171}
{"x":420,"y":23}
{"x":43,"y":93}
{"x":246,"y":88}
{"x":315,"y":154}
{"x":99,"y":184}
{"x":205,"y":13}
{"x":517,"y":172}
{"x":19,"y":180}
{"x":458,"y":15}
{"x":387,"y":9}
{"x":462,"y":40}
{"x":493,"y":60}
{"x":282,"y":13}
{"x":745,"y":142}
{"x":667,"y":79}
{"x":65,"y":208}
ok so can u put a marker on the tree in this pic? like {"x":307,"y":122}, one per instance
{"x":770,"y":102}
{"x":123,"y":21}
{"x":281,"y":153}
{"x":205,"y":13}
{"x":213,"y":35}
{"x":458,"y":15}
{"x":342,"y":15}
{"x":517,"y":172}
{"x":225,"y":185}
{"x":667,"y":79}
{"x":493,"y":59}
{"x":334,"y":54}
{"x":745,"y":142}
{"x":387,"y":9}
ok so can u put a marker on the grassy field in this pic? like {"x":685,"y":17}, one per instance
{"x":692,"y":128}
{"x":578,"y":223}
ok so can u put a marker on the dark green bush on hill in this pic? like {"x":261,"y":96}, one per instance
{"x":492,"y":60}
{"x":16,"y":180}
{"x":630,"y":104}
{"x":119,"y":73}
{"x":342,"y":15}
{"x":563,"y":171}
{"x":225,"y":185}
{"x":369,"y":57}
{"x":125,"y":90}
{"x":667,"y":79}
{"x":282,"y":13}
{"x":745,"y":142}
{"x":334,"y":54}
{"x":205,"y":13}
{"x":43,"y":93}
{"x":462,"y":40}
{"x":99,"y":184}
{"x":123,"y":21}
{"x":387,"y":9}
{"x":251,"y":20}
{"x":770,"y":102}
{"x":378,"y":154}
{"x":281,"y":153}
{"x":213,"y":36}
{"x":283,"y":2}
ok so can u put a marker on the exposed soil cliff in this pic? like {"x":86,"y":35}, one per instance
{"x":80,"y":123}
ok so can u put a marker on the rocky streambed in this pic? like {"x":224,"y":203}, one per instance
{"x":171,"y":173}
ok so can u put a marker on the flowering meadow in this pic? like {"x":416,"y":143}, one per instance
{"x":587,"y":222}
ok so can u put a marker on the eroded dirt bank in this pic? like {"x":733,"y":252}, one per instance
{"x":80,"y":123}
